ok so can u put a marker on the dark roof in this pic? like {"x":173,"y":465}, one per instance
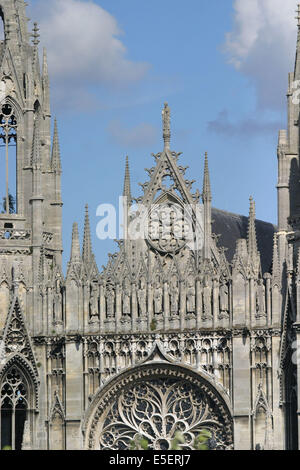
{"x":231,"y":227}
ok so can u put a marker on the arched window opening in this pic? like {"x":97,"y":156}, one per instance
{"x":14,"y":408}
{"x":8,"y":159}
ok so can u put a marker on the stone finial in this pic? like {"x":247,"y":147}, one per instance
{"x":166,"y":116}
{"x":206,"y":182}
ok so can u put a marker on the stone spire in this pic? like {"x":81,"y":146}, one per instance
{"x":87,"y":254}
{"x":46,"y":82}
{"x":166,"y":116}
{"x":45,"y":64}
{"x":127,"y":185}
{"x":55,"y":160}
{"x":251,"y":238}
{"x":75,"y":249}
{"x":206,"y":196}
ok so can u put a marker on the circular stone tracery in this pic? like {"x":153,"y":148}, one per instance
{"x":156,"y":408}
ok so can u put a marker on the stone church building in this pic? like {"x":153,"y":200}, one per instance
{"x":176,"y":333}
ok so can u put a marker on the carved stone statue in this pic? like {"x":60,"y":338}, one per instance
{"x":158,"y":297}
{"x":206,"y":299}
{"x":126,"y":298}
{"x":224,"y":300}
{"x":191,"y":296}
{"x":174,"y":291}
{"x":110,"y":301}
{"x":260,"y":299}
{"x":142,"y":297}
{"x":93,"y":303}
{"x":57,"y":302}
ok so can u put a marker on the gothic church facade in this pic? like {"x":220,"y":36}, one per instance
{"x":170,"y":335}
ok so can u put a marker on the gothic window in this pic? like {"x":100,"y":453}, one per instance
{"x":14,"y":408}
{"x":8,"y":159}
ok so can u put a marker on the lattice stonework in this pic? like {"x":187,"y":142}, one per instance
{"x":156,"y":408}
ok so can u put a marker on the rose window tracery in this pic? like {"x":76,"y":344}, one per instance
{"x":156,"y":409}
{"x":169,"y":227}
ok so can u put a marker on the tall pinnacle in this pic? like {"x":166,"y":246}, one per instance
{"x":252,"y":241}
{"x":127,"y":185}
{"x":35,"y":154}
{"x":87,"y":244}
{"x":45,"y":64}
{"x":206,"y":196}
{"x":56,"y":160}
{"x":75,"y":250}
{"x":166,"y":115}
{"x":276,"y":272}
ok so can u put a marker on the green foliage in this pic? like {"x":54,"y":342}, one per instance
{"x":7,"y":448}
{"x":139,"y":443}
{"x":178,"y":439}
{"x":201,"y":441}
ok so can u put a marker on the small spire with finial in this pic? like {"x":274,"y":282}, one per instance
{"x":166,"y":115}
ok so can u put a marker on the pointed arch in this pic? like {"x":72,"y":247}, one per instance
{"x":18,"y":401}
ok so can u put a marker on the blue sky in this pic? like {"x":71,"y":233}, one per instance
{"x":222,"y":67}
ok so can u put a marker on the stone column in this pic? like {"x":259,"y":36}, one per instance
{"x":241,"y":391}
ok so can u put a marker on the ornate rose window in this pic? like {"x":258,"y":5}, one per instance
{"x":170,"y":227}
{"x":156,"y":408}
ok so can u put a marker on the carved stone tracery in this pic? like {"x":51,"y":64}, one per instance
{"x":157,"y":401}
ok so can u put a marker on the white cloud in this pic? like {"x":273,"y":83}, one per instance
{"x":262,"y":46}
{"x":83,"y":45}
{"x":142,"y":135}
